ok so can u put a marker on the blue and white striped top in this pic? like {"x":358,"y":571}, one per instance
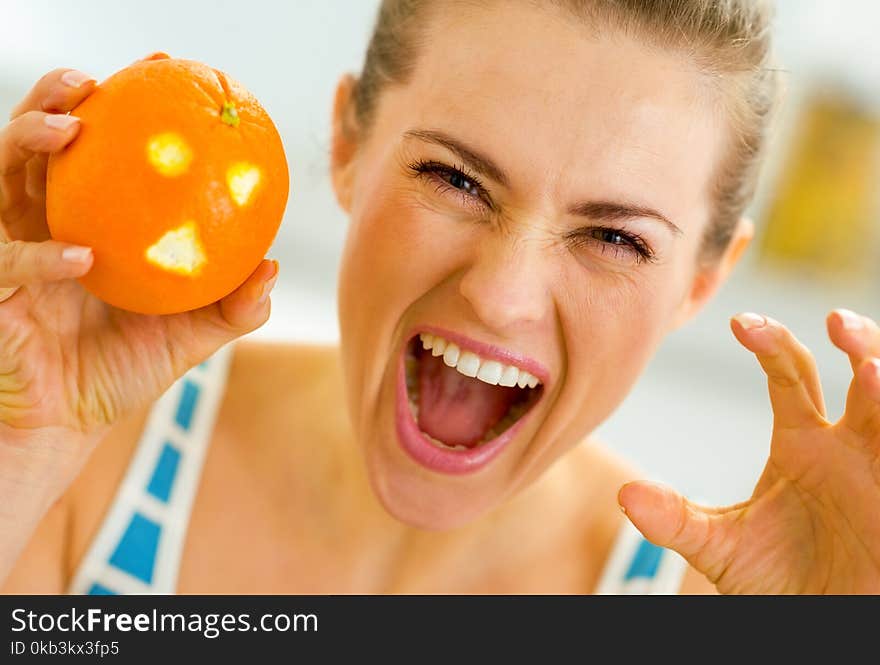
{"x":140,"y":543}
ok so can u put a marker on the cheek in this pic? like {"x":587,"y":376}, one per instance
{"x":401,"y":243}
{"x":611,"y":326}
{"x":395,"y":254}
{"x":622,"y":325}
{"x":396,"y":251}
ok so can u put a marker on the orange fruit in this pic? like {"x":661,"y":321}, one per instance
{"x":177,"y":181}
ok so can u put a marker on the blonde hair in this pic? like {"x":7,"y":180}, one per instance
{"x":728,"y":40}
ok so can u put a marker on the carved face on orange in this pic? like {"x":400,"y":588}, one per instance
{"x":177,"y":181}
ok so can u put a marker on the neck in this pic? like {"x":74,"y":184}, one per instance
{"x":338,"y":471}
{"x":328,"y":476}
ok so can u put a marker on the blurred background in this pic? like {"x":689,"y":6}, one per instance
{"x":699,"y":417}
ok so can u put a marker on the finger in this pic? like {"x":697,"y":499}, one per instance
{"x":205,"y":330}
{"x":703,"y":536}
{"x":155,"y":55}
{"x":35,"y":183}
{"x":792,"y":375}
{"x":862,"y":414}
{"x":859,"y":337}
{"x":33,"y":262}
{"x":29,"y":134}
{"x":59,"y":91}
{"x":26,"y":220}
{"x":856,"y":335}
{"x":5,"y":293}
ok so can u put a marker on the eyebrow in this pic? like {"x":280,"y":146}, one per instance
{"x":596,"y":210}
{"x":484,"y":165}
{"x":613,"y":211}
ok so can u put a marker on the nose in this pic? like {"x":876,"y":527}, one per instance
{"x":507,"y":285}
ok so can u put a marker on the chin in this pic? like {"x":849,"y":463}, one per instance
{"x":423,"y":502}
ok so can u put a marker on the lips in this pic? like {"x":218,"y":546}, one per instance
{"x":472,"y":412}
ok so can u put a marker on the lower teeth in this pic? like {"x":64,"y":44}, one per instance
{"x":440,"y":444}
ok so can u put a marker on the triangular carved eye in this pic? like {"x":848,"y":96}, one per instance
{"x":179,"y":250}
{"x":242,"y":179}
{"x":169,"y":154}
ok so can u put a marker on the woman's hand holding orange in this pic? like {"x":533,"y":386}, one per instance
{"x":812,"y":524}
{"x":70,"y":364}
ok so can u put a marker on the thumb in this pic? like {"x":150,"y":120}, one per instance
{"x":704,"y":536}
{"x":199,"y":333}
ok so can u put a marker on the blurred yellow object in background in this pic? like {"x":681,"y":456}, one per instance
{"x":824,"y":216}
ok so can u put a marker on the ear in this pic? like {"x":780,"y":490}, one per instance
{"x":708,"y":280}
{"x":344,"y":141}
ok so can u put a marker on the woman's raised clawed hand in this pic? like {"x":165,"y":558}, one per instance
{"x":812,"y":524}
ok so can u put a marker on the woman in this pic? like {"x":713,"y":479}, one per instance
{"x":539,"y":192}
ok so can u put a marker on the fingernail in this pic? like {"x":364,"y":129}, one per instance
{"x":749,"y":320}
{"x":269,"y":283}
{"x":622,"y":509}
{"x":60,"y":121}
{"x":267,"y":289}
{"x":76,"y":254}
{"x":75,"y":79}
{"x":850,"y":320}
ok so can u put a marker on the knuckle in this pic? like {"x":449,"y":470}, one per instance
{"x":789,"y":342}
{"x":52,"y":77}
{"x":45,"y":81}
{"x":684,"y":516}
{"x":264,"y":317}
{"x":16,"y":127}
{"x":874,"y":339}
{"x":867,"y":373}
{"x":7,"y":293}
{"x":782,"y":378}
{"x":20,"y":139}
{"x":807,"y":359}
{"x":12,"y":255}
{"x":9,"y":253}
{"x":793,"y":364}
{"x":26,"y":121}
{"x":804,"y":350}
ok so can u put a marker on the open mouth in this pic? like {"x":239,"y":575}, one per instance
{"x":462,"y":406}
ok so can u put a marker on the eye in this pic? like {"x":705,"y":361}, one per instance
{"x":454,"y":181}
{"x":621,"y":244}
{"x":460,"y":181}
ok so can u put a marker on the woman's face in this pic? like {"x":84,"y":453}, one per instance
{"x":534,"y":195}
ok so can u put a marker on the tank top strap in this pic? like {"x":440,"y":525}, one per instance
{"x":638,"y":567}
{"x":140,"y":542}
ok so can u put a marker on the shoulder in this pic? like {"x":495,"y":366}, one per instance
{"x":602,"y":473}
{"x":584,"y":485}
{"x":609,"y":534}
{"x":275,"y":386}
{"x":256,"y":363}
{"x":264,"y":379}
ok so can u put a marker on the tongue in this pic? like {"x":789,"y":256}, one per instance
{"x":456,"y":409}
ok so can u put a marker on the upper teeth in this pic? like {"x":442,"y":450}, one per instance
{"x":470,"y":364}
